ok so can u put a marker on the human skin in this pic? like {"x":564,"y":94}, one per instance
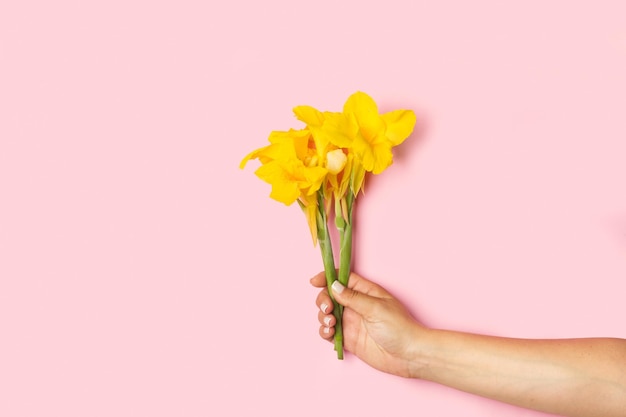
{"x":571,"y":377}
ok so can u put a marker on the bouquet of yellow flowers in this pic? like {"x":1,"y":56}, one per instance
{"x":323,"y":168}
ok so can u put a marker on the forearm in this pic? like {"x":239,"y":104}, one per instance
{"x":572,"y":377}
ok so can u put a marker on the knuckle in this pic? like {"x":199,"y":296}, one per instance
{"x":352,"y":295}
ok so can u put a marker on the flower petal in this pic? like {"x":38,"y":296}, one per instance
{"x":251,"y":155}
{"x":309,"y":207}
{"x":400,"y":125}
{"x":365,"y":112}
{"x":346,"y":175}
{"x":340,"y":129}
{"x":314,"y":177}
{"x":291,"y":144}
{"x":360,"y":103}
{"x":284,"y":186}
{"x":309,"y":115}
{"x":384,"y":157}
{"x":357,"y":177}
{"x":286,"y":193}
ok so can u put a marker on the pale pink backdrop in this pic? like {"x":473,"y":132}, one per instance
{"x":143,"y":274}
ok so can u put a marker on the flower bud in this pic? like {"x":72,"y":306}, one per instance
{"x":335,"y":161}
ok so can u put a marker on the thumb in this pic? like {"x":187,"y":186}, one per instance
{"x":361,"y":303}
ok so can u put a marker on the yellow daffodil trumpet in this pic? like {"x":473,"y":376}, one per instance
{"x":322,"y":167}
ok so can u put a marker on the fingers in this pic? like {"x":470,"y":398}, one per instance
{"x":361,"y":295}
{"x":319,"y":280}
{"x":356,"y":282}
{"x":327,"y":328}
{"x":325,"y":314}
{"x":324,"y":303}
{"x":363,"y":304}
{"x":365,"y":286}
{"x":327,"y":320}
{"x":327,"y":332}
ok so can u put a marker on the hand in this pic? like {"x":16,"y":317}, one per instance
{"x":377,"y":328}
{"x":571,"y":377}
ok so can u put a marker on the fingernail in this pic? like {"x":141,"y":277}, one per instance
{"x":326,"y":330}
{"x":337,"y":287}
{"x":324,"y":307}
{"x":327,"y":321}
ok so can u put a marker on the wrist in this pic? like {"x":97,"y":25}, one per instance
{"x":423,"y":353}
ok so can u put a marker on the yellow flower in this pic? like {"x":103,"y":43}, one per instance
{"x":289,"y":166}
{"x":323,"y":166}
{"x":370,"y":135}
{"x":336,"y":160}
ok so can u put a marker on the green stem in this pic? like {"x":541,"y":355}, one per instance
{"x":323,"y":237}
{"x":345,"y":254}
{"x":345,"y":243}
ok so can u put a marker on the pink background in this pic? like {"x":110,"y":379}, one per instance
{"x":143,"y":274}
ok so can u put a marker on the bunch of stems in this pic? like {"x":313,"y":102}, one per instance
{"x":343,"y":223}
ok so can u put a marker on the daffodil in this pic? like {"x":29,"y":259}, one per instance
{"x":367,"y":133}
{"x":291,"y":165}
{"x":287,"y":165}
{"x":323,"y":166}
{"x":349,"y":144}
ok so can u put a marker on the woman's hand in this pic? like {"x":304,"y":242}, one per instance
{"x":376,"y":326}
{"x":570,"y":377}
